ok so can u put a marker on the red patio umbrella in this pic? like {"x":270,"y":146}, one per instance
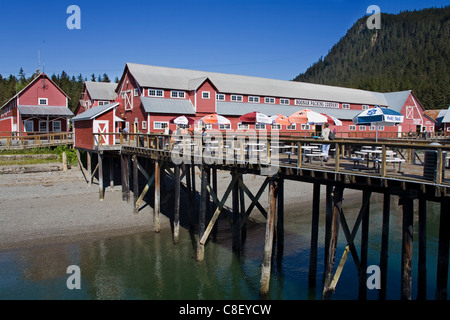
{"x":255,"y":117}
{"x":332,"y":120}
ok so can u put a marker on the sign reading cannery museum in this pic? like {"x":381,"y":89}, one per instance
{"x":314,"y":103}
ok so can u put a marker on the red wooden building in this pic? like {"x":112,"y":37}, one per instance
{"x":100,"y":119}
{"x":40,"y":107}
{"x":149,"y":96}
{"x":96,"y":94}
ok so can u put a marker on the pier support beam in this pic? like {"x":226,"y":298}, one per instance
{"x":443,"y":251}
{"x":236,"y":230}
{"x":384,"y":245}
{"x":407,"y":247}
{"x":156,"y":206}
{"x":422,"y":274}
{"x":202,"y":213}
{"x":328,"y":221}
{"x":176,"y":213}
{"x":89,"y":167}
{"x":362,"y":295}
{"x":280,"y":221}
{"x":337,"y":207}
{"x":135,"y":183}
{"x":101,"y":190}
{"x":125,"y":177}
{"x":268,"y":242}
{"x":314,"y":240}
{"x":190,"y":200}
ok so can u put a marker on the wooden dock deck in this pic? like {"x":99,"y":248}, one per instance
{"x":30,"y":141}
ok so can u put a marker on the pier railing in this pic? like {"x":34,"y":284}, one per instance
{"x":35,"y":140}
{"x":419,"y":161}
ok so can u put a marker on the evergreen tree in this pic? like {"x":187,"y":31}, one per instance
{"x":22,"y":77}
{"x":105,"y":78}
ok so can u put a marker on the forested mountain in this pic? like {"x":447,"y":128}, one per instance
{"x":410,"y":51}
{"x":71,"y":85}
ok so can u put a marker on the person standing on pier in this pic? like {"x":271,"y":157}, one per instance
{"x":325,"y":136}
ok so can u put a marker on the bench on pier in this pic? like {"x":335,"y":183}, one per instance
{"x":356,"y":162}
{"x":318,"y":155}
{"x":392,"y":160}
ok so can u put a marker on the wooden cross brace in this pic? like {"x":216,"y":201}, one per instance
{"x":150,"y":181}
{"x":350,"y":238}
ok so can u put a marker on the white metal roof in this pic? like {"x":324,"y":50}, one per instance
{"x":183,"y":79}
{"x":94,"y":112}
{"x":101,"y":90}
{"x":161,"y":105}
{"x":45,"y":111}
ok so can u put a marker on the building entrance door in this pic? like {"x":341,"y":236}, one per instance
{"x":101,"y":127}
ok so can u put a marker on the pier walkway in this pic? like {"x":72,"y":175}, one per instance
{"x":35,"y":140}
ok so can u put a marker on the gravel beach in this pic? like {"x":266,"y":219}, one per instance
{"x":50,"y":206}
{"x":59,"y":206}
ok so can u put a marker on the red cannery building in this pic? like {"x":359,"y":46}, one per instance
{"x":149,"y":96}
{"x":96,"y":94}
{"x":40,"y":107}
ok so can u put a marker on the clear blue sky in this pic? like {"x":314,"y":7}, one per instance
{"x":266,"y":38}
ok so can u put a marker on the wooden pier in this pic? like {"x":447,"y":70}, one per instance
{"x":32,"y":140}
{"x":412,"y":171}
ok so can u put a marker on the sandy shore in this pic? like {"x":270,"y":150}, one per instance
{"x":56,"y":206}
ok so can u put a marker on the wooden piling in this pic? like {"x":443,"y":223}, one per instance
{"x":189,"y":196}
{"x":337,"y":203}
{"x":101,"y":190}
{"x":314,"y":237}
{"x":422,"y":274}
{"x":443,"y":251}
{"x":362,"y":294}
{"x":134,"y":160}
{"x":236,"y":230}
{"x":125,"y":177}
{"x":328,"y":221}
{"x":156,"y":206}
{"x":384,"y":244}
{"x":64,"y":161}
{"x":89,"y":167}
{"x":407,"y":246}
{"x":214,"y":172}
{"x":176,"y":214}
{"x":280,"y":221}
{"x":268,"y":241}
{"x":243,"y":226}
{"x":202,"y":213}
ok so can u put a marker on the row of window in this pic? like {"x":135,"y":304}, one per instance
{"x":43,"y":126}
{"x":221,"y":97}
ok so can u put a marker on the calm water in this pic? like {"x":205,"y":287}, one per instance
{"x":150,"y":266}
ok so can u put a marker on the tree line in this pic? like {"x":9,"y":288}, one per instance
{"x":71,"y":85}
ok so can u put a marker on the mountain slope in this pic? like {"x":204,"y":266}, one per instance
{"x":410,"y":51}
